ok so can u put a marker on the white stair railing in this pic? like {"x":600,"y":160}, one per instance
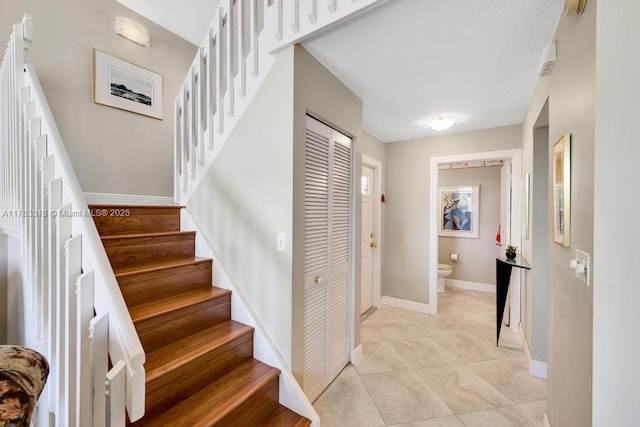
{"x":234,"y":58}
{"x":65,"y":264}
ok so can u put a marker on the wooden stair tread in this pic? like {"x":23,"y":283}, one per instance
{"x":143,"y":235}
{"x":212,"y":403}
{"x":284,"y":416}
{"x":157,"y":265}
{"x":175,"y":302}
{"x":182,"y":351}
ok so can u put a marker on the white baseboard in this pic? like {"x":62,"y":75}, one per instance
{"x":545,"y":421}
{"x":472,"y":286}
{"x":126,"y":199}
{"x":537,"y":368}
{"x":357,"y":355}
{"x":406,"y":304}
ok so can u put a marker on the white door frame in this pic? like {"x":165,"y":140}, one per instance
{"x":377,"y":226}
{"x":515,"y":155}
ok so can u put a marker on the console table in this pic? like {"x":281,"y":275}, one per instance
{"x":503,"y":277}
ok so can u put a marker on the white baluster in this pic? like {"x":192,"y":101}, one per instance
{"x":312,"y":14}
{"x":218,"y":28}
{"x":201,"y":108}
{"x":253,"y":37}
{"x":84,"y":295}
{"x":242,"y":59}
{"x":63,"y":233}
{"x":295,"y":16}
{"x":177,"y":154}
{"x":185,"y":137}
{"x":47,"y":175}
{"x":115,"y":382}
{"x":211,"y":71}
{"x":230,"y":29}
{"x":73,"y":269}
{"x":99,"y":348}
{"x":55,"y":203}
{"x":276,"y":18}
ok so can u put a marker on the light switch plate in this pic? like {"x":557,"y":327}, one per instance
{"x":584,"y":259}
{"x":281,"y":244}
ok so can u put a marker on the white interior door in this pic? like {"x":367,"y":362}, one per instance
{"x":328,"y":188}
{"x":367,"y":239}
{"x":505,"y":205}
{"x":505,"y":219}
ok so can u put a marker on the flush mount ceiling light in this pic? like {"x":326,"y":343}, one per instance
{"x":133,"y":30}
{"x":441,"y":123}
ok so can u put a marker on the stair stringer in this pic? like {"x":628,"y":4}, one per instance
{"x":291,"y":394}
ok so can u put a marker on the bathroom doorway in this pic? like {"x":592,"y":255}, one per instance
{"x":510,"y":226}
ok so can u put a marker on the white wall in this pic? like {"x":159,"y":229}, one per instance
{"x":320,"y":93}
{"x":616,"y":290}
{"x":112,"y":151}
{"x":571,"y":93}
{"x":405,"y":269}
{"x":476,"y":257}
{"x":245,"y":199}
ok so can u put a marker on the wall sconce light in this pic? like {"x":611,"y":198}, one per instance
{"x":574,"y":7}
{"x":441,"y":123}
{"x":133,"y":30}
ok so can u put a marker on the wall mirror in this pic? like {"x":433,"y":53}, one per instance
{"x":562,"y":190}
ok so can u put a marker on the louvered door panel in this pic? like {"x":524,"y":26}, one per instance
{"x":341,"y":201}
{"x":316,"y":202}
{"x":315,"y":340}
{"x":327,"y":255}
{"x":338,"y":336}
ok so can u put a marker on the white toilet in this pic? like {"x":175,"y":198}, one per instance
{"x":444,"y":270}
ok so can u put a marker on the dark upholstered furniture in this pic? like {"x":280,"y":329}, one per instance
{"x":23,"y":374}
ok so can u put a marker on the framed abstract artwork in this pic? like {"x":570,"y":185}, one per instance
{"x":459,"y":211}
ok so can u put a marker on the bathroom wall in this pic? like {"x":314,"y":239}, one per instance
{"x":476,"y":257}
{"x":405,"y":267}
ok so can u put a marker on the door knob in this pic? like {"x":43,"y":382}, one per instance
{"x":316,"y":279}
{"x":373,"y":245}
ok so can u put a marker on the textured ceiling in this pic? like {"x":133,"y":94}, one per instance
{"x":412,"y":60}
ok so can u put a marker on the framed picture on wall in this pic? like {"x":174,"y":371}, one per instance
{"x":121,"y":84}
{"x":459,"y":211}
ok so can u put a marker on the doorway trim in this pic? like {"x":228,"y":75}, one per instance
{"x":515,"y":155}
{"x":376,"y":287}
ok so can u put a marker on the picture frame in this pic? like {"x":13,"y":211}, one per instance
{"x":459,"y":211}
{"x":562,"y":190}
{"x":126,"y":86}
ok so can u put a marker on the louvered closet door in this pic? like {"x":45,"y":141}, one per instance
{"x":327,"y":255}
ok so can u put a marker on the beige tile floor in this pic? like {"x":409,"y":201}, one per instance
{"x":436,"y":371}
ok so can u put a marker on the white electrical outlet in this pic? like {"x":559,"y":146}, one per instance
{"x":281,"y":245}
{"x":582,"y":266}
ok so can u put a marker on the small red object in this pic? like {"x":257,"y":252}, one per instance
{"x":498,"y":242}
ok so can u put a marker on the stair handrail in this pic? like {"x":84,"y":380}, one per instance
{"x":245,"y":35}
{"x":124,"y":345}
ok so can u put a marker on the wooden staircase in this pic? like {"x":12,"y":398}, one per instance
{"x":200,"y":369}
